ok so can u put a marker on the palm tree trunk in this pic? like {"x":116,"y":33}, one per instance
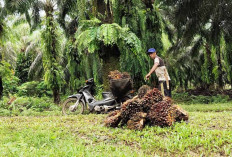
{"x":210,"y":65}
{"x":52,"y":53}
{"x":231,"y":82}
{"x":1,"y":88}
{"x":186,"y":84}
{"x":109,"y":64}
{"x":56,"y":95}
{"x":110,"y":57}
{"x":220,"y":80}
{"x":181,"y":81}
{"x":1,"y":85}
{"x":103,"y":8}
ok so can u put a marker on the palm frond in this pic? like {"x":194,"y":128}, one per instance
{"x":36,"y":66}
{"x":20,"y":6}
{"x":30,"y":47}
{"x":18,"y":21}
{"x":66,"y":7}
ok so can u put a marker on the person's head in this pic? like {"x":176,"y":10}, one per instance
{"x":152,"y":53}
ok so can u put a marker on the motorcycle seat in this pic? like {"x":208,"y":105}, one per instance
{"x":106,"y":95}
{"x":107,"y":102}
{"x":109,"y":98}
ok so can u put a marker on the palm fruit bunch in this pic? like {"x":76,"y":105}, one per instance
{"x":129,"y":108}
{"x":149,"y":107}
{"x":150,"y":98}
{"x":160,"y":114}
{"x":143,"y":90}
{"x":113,"y":119}
{"x":115,"y":75}
{"x":137,"y":121}
{"x":179,"y":113}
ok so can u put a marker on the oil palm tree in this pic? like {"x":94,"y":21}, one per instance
{"x":193,"y":18}
{"x":111,"y":42}
{"x":2,"y":27}
{"x":50,"y":43}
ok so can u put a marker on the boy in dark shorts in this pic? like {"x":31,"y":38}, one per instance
{"x":161,"y":72}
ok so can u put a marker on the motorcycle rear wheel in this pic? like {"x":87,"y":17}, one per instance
{"x":71,"y":101}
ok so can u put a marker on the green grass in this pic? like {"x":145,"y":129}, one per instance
{"x":208,"y":133}
{"x":220,"y":107}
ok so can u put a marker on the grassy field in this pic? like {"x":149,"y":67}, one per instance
{"x":208,"y":133}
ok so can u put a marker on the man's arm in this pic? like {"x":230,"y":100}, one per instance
{"x":152,"y":70}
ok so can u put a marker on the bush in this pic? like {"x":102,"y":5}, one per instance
{"x":22,"y":66}
{"x":200,"y":99}
{"x":3,"y":103}
{"x":37,"y":104}
{"x":34,"y":88}
{"x":10,"y":85}
{"x":26,"y":104}
{"x":10,"y":82}
{"x":4,"y":112}
{"x":28,"y":89}
{"x":43,"y":90}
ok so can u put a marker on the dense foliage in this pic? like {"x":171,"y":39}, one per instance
{"x":66,"y":42}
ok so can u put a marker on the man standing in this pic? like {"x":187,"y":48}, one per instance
{"x":161,"y":72}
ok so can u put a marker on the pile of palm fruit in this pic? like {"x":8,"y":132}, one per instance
{"x":120,"y":84}
{"x":149,"y":107}
{"x":114,"y":75}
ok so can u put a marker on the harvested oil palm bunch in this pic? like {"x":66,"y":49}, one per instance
{"x":115,"y":75}
{"x":160,"y":114}
{"x":143,"y":90}
{"x":113,"y":119}
{"x":129,"y":108}
{"x":125,"y":75}
{"x":152,"y":97}
{"x":152,"y":108}
{"x":179,"y":113}
{"x":168,"y":99}
{"x":137,"y":121}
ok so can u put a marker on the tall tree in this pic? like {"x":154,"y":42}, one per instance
{"x":50,"y":41}
{"x":193,"y":18}
{"x":2,"y":25}
{"x":1,"y":84}
{"x":93,"y":38}
{"x":51,"y":56}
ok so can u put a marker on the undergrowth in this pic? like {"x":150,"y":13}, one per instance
{"x":28,"y":106}
{"x":206,"y":134}
{"x":192,"y":99}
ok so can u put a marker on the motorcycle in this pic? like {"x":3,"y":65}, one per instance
{"x":84,"y":101}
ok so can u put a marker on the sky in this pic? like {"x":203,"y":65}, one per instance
{"x":2,"y":3}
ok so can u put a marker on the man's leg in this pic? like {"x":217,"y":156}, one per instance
{"x":167,"y":92}
{"x":161,"y":88}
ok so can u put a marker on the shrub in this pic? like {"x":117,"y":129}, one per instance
{"x":10,"y":82}
{"x":10,"y":85}
{"x":28,"y":89}
{"x":43,"y":90}
{"x":34,"y":88}
{"x":200,"y":99}
{"x":27,"y":104}
{"x":22,"y":66}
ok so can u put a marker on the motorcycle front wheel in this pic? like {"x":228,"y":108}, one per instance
{"x":69,"y":109}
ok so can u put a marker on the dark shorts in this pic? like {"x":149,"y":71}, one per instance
{"x":167,"y":92}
